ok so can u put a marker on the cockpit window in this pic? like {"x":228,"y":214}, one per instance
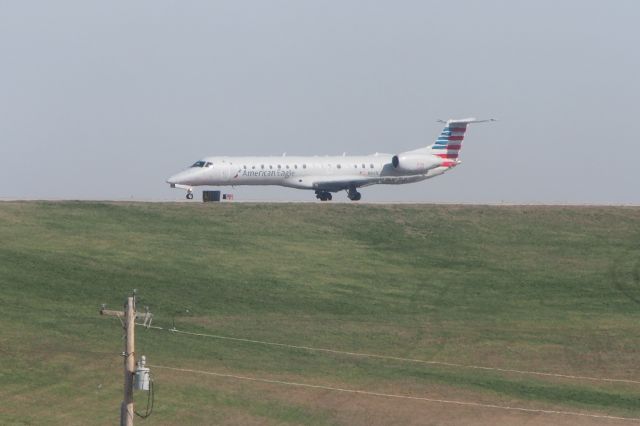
{"x":198,"y":164}
{"x":208,"y":164}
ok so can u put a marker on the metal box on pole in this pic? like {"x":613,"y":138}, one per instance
{"x":142,"y":375}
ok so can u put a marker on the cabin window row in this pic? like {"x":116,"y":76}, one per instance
{"x":304,"y":166}
{"x":262,"y":166}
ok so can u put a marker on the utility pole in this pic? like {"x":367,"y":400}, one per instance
{"x":126,"y":418}
{"x":129,"y":326}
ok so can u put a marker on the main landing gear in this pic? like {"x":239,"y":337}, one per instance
{"x":324,"y":196}
{"x":353,"y":194}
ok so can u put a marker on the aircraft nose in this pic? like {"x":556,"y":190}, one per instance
{"x":175,"y":179}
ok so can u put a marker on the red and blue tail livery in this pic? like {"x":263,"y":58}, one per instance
{"x":449,"y":143}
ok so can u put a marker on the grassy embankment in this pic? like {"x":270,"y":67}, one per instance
{"x":534,"y":288}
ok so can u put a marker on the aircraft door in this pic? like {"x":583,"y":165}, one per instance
{"x":226,"y":168}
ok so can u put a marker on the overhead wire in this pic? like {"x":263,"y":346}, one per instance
{"x":398,"y":396}
{"x":400,"y":359}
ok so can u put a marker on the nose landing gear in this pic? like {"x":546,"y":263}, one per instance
{"x":189,"y":195}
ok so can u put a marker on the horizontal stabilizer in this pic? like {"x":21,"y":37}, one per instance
{"x":465,"y":120}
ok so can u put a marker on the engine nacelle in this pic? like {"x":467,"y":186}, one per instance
{"x":415,"y":163}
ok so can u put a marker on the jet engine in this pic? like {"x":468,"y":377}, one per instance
{"x":415,"y":163}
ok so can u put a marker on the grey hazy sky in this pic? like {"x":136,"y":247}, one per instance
{"x":105,"y":99}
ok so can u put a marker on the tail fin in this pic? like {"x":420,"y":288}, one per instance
{"x":449,"y":143}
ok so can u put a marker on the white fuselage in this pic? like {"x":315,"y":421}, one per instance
{"x":330,"y":173}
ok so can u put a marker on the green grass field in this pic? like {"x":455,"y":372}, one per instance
{"x":551,"y":289}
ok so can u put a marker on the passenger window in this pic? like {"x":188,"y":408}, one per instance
{"x":287,"y":166}
{"x":244,"y":167}
{"x":304,"y":166}
{"x":279,"y":166}
{"x":371,"y":166}
{"x":253,"y":167}
{"x":339,"y":166}
{"x":295,"y":166}
{"x":262,"y":166}
{"x":270,"y":166}
{"x":363,"y":166}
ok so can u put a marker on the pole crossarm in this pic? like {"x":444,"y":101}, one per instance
{"x":111,"y":313}
{"x":146,"y":316}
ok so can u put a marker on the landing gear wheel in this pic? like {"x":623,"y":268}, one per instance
{"x":353,"y":194}
{"x":189,"y":195}
{"x":324,"y":196}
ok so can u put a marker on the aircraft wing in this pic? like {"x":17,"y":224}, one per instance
{"x":336,"y":183}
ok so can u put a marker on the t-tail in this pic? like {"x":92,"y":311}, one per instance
{"x":449,"y":143}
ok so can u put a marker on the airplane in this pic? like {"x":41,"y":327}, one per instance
{"x":330,"y":174}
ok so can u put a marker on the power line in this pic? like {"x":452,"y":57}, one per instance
{"x":396,"y":396}
{"x":396,"y":358}
{"x":58,"y":351}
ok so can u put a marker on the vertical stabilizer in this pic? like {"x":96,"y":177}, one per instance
{"x":449,"y":142}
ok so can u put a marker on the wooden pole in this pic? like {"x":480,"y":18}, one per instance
{"x":129,"y":324}
{"x":126,"y":416}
